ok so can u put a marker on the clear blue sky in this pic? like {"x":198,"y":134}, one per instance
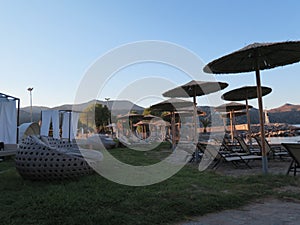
{"x":49,"y":45}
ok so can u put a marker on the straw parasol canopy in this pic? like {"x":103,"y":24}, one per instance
{"x":232,"y":116}
{"x":245,"y":93}
{"x":172,"y":105}
{"x":184,"y":113}
{"x":130,"y":115}
{"x":235,"y":113}
{"x":231,"y":107}
{"x":256,"y":57}
{"x":195,"y":88}
{"x":150,"y":117}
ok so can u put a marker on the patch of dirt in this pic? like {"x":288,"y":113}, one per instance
{"x":289,"y":189}
{"x":263,"y":211}
{"x":267,"y":212}
{"x":274,"y":167}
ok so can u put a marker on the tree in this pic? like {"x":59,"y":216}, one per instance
{"x":205,"y":122}
{"x":148,"y":111}
{"x":96,"y":116}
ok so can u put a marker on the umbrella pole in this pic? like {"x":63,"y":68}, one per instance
{"x":173,"y":130}
{"x":262,"y":128}
{"x":248,"y":123}
{"x":196,"y":137}
{"x":231,"y":126}
{"x":234,"y":124}
{"x":194,"y":97}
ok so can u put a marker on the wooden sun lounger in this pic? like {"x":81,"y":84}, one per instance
{"x":275,"y":151}
{"x":235,"y":159}
{"x":246,"y":148}
{"x":8,"y":150}
{"x":294,"y":151}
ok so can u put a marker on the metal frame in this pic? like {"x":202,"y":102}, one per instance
{"x":9,"y":97}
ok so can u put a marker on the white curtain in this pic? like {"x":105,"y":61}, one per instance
{"x":8,"y":121}
{"x":75,"y":118}
{"x":55,"y":123}
{"x":47,"y":116}
{"x":46,"y":119}
{"x":66,"y":126}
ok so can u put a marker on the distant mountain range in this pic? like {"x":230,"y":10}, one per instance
{"x":285,"y":108}
{"x":119,"y":107}
{"x":287,"y":113}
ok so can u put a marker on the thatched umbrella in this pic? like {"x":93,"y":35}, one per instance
{"x":256,"y":57}
{"x":184,"y":113}
{"x":245,"y":93}
{"x":130,"y":117}
{"x":195,"y":88}
{"x":232,"y":117}
{"x":143,"y":124}
{"x":172,"y":105}
{"x":231,"y":107}
{"x":150,"y":117}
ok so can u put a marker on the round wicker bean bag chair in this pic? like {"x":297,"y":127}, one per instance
{"x":50,"y":159}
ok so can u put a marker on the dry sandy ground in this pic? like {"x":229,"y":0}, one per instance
{"x":275,"y":166}
{"x":262,"y":212}
{"x":265,"y":212}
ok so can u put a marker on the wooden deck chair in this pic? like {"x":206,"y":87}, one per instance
{"x":273,"y":152}
{"x":246,"y":148}
{"x":235,"y":159}
{"x":226,"y":147}
{"x":294,"y":151}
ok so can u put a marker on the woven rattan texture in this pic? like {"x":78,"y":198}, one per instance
{"x":37,"y":160}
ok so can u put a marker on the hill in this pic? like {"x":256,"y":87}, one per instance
{"x":285,"y":108}
{"x":287,"y":113}
{"x":118,"y":107}
{"x":25,"y":113}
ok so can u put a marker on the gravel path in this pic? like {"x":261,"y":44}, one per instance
{"x":267,"y":212}
{"x":262,"y":212}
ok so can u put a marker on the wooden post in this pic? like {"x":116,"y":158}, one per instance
{"x":248,"y":119}
{"x":231,"y":124}
{"x":248,"y":124}
{"x":173,"y":129}
{"x":262,"y":127}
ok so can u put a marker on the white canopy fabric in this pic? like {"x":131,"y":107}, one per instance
{"x":8,"y":121}
{"x":47,"y":116}
{"x":66,"y":126}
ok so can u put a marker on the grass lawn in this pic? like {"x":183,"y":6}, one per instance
{"x":95,"y":200}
